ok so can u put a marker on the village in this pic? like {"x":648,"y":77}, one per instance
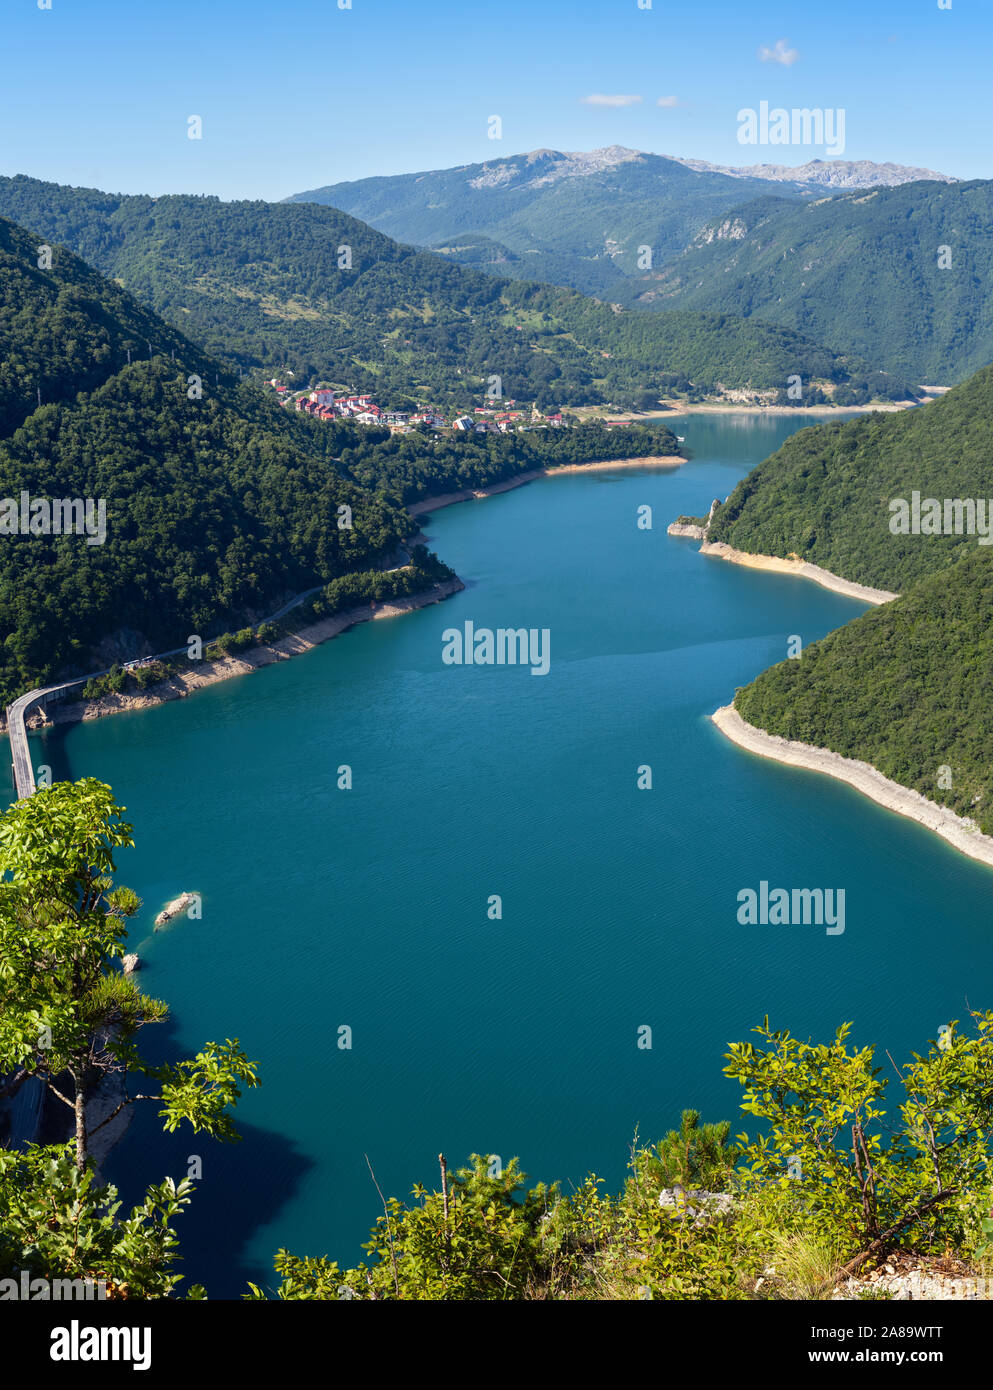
{"x":323,"y":403}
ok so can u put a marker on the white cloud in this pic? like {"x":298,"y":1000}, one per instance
{"x":668,"y":101}
{"x":781,"y":53}
{"x":601,"y":99}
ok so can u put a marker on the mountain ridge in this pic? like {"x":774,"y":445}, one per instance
{"x":579,"y":219}
{"x":262,"y":286}
{"x":829,"y":173}
{"x":582,"y":219}
{"x":894,"y":274}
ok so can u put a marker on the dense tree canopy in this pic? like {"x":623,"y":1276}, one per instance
{"x":826,"y":494}
{"x":897,"y":275}
{"x":908,"y":687}
{"x":220,"y":504}
{"x":67,"y":329}
{"x":216,"y":509}
{"x":308,"y":288}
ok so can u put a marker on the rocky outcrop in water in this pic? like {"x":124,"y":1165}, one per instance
{"x":174,"y":908}
{"x":692,"y":529}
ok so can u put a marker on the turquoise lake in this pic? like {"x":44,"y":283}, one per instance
{"x":368,"y":908}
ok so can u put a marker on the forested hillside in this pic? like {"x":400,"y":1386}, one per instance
{"x":65,"y":333}
{"x":263,"y":286}
{"x":897,"y":275}
{"x":908,"y":687}
{"x":415,"y":466}
{"x":216,"y":509}
{"x":825,"y":494}
{"x":220,"y":503}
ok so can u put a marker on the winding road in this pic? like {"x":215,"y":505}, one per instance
{"x":24,"y":778}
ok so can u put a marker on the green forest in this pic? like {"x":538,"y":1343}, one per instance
{"x":825,"y":495}
{"x":221,"y":505}
{"x":907,"y":687}
{"x":262,"y":287}
{"x":899,"y":276}
{"x":856,"y":270}
{"x":217,"y":509}
{"x":415,"y":466}
{"x":67,"y":332}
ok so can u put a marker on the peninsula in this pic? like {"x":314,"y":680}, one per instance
{"x":895,"y":702}
{"x":959,"y":831}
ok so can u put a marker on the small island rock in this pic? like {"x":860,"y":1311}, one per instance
{"x":174,"y":908}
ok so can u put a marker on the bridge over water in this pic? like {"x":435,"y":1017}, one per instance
{"x":24,"y":779}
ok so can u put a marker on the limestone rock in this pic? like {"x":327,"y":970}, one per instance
{"x":174,"y":908}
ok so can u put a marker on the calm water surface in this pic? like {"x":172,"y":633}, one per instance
{"x":368,"y":908}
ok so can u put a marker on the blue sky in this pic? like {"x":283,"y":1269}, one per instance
{"x":296,"y":95}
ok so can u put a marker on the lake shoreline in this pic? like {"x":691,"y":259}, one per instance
{"x":801,"y":569}
{"x":958,"y":832}
{"x":730,"y":407}
{"x":186,"y":683}
{"x":743,"y":407}
{"x":448,"y":499}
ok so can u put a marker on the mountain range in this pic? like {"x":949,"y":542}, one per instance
{"x":578,"y":219}
{"x":311,"y":289}
{"x":844,"y":252}
{"x":572,"y":219}
{"x":826,"y":173}
{"x":898,"y":274}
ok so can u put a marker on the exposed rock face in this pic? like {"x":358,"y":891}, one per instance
{"x":697,"y":533}
{"x":731,"y":229}
{"x":826,"y":173}
{"x":123,"y":645}
{"x":689,"y":1204}
{"x":542,"y":167}
{"x":131,"y":964}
